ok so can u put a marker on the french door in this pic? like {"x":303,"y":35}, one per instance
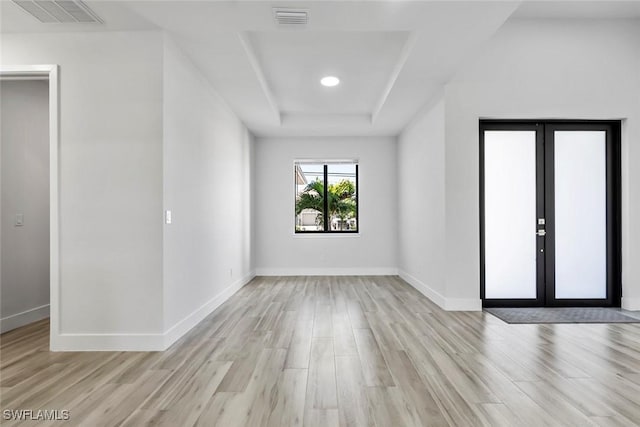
{"x":550,"y":213}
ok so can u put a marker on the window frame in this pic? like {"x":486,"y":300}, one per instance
{"x":326,"y":218}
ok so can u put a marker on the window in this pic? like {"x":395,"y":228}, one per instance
{"x":326,"y":197}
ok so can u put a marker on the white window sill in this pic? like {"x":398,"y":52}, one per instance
{"x":326,"y":235}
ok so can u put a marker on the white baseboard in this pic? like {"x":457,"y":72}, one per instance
{"x":145,"y":342}
{"x":425,"y":290}
{"x":364,"y":271}
{"x":448,"y":304}
{"x":185,"y":325}
{"x":21,"y":319}
{"x":631,"y":304}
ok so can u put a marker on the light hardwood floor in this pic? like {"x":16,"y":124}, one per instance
{"x":329,"y":351}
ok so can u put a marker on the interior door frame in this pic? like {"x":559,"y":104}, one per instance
{"x":545,"y":279}
{"x":49,"y":72}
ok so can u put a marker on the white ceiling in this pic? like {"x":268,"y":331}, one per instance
{"x":294,"y":62}
{"x":114,"y":14}
{"x":392,"y":56}
{"x":629,"y":9}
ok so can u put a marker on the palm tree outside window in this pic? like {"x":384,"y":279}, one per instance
{"x":326,"y":197}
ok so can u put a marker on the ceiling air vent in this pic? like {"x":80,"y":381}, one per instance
{"x":59,"y":11}
{"x":289,"y":17}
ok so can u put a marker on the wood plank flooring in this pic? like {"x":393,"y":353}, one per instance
{"x":337,"y":351}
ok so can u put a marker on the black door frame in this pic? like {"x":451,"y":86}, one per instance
{"x":545,"y":246}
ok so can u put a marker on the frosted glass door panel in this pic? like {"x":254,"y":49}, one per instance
{"x":510,"y":214}
{"x":580,"y":214}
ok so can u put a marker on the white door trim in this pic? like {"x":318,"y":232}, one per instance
{"x":50,"y":73}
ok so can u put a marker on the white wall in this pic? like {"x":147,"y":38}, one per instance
{"x":207,"y":186}
{"x":421,"y":203}
{"x":141,"y":130}
{"x":279,"y":251}
{"x":24,"y":285}
{"x":541,"y":69}
{"x":110,"y":183}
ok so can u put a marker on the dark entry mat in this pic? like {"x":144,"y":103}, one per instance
{"x":561,"y":315}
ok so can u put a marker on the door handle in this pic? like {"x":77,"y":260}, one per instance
{"x":541,"y":233}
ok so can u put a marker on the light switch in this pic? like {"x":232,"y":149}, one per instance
{"x":167,"y":217}
{"x":19,"y":220}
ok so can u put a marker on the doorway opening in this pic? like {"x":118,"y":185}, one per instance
{"x":30,"y":188}
{"x":550,"y":213}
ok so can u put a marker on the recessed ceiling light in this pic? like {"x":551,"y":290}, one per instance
{"x":330,"y":81}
